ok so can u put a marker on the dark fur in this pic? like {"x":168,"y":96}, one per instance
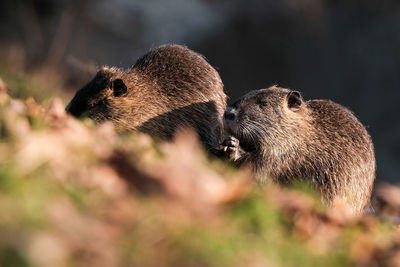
{"x":169,"y":87}
{"x":284,"y":138}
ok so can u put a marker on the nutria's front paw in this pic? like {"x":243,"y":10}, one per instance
{"x":232,"y":149}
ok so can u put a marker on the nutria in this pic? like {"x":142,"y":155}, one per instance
{"x":284,"y":138}
{"x":169,"y":87}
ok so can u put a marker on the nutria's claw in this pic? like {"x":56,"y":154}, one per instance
{"x":232,"y":148}
{"x":230,"y":142}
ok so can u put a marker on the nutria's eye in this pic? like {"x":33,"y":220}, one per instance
{"x":263,"y":103}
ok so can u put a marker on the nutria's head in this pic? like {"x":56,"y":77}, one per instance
{"x":265,"y":118}
{"x":93,"y":99}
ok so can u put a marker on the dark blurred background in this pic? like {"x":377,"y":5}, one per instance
{"x":344,"y":50}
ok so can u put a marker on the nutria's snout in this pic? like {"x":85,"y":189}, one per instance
{"x":230,"y":122}
{"x":70,"y":110}
{"x":230,"y":114}
{"x":232,"y":129}
{"x":75,"y":108}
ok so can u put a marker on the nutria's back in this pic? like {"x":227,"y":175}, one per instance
{"x":285,"y":138}
{"x":169,"y":87}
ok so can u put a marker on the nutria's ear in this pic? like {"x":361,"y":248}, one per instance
{"x":119,"y":87}
{"x":294,"y":100}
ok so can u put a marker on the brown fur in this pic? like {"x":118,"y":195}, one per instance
{"x":284,"y":138}
{"x":169,"y":87}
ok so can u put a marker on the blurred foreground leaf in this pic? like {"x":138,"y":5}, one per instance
{"x":73,"y":194}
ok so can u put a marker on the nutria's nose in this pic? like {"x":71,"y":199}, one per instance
{"x":230,"y":113}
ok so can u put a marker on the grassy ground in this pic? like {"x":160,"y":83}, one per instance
{"x":75,"y":194}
